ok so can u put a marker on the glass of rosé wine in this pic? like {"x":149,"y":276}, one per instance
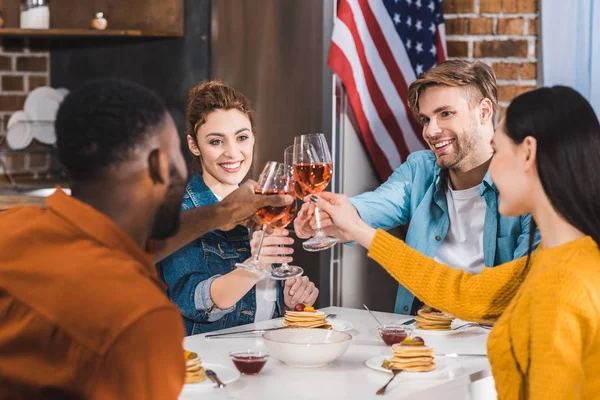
{"x":275,"y":179}
{"x":313,"y":169}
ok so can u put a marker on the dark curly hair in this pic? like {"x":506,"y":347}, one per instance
{"x":101,"y":122}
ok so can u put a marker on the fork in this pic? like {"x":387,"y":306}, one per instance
{"x":472,"y":324}
{"x":381,"y":391}
{"x":213,"y":377}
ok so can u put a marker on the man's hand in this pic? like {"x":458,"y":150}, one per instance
{"x":299,"y":290}
{"x":243,"y":203}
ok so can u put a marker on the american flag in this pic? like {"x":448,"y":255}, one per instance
{"x":377,"y":49}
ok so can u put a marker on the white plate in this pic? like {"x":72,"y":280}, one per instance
{"x":225,"y":374}
{"x":63,"y":91}
{"x":444,"y":368}
{"x":455,"y":324}
{"x":42,"y":105}
{"x":336,"y":324}
{"x":19,"y":132}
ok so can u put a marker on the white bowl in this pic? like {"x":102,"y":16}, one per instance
{"x":300,"y":347}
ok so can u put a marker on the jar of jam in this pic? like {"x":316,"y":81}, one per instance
{"x":249,"y":362}
{"x":392,"y":334}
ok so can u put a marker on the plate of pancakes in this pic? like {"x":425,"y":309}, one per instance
{"x":315,"y":319}
{"x":195,"y":374}
{"x":444,"y":368}
{"x":415,"y":359}
{"x":430,"y":321}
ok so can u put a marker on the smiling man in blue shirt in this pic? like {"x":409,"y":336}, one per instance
{"x":445,"y":194}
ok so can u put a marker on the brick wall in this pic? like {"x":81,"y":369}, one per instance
{"x":24,"y":66}
{"x":502,"y":33}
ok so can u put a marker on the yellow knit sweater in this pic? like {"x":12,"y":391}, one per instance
{"x":546,"y":340}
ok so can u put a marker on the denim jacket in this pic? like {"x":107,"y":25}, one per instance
{"x":415,"y":194}
{"x":190,"y":271}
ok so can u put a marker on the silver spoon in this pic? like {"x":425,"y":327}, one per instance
{"x":372,"y":315}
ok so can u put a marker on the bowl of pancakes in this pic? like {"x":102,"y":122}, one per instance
{"x":306,"y":347}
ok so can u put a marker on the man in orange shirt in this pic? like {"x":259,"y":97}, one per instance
{"x":82,"y":311}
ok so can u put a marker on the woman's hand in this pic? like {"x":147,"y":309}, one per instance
{"x":274,"y":248}
{"x":345,"y":217}
{"x":299,"y":290}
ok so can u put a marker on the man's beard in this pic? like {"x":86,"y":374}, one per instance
{"x":462,"y":149}
{"x":166,"y":220}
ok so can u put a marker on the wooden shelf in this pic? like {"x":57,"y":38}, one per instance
{"x":49,"y":33}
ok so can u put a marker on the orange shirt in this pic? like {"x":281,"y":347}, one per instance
{"x":82,"y":311}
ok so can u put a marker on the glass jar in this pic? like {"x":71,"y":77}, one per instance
{"x":35,"y":14}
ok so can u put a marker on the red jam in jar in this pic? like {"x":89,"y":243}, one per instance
{"x":249,"y":363}
{"x":392,"y":335}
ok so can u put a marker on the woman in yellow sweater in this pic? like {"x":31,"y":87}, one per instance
{"x":546,"y":341}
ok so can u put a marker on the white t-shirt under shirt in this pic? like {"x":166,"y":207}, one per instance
{"x":266,"y":296}
{"x":463,"y":245}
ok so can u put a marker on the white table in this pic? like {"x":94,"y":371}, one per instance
{"x":348,"y":377}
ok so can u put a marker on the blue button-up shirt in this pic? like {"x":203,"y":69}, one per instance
{"x":415,"y":195}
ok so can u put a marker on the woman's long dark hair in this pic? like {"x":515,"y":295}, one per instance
{"x":567,"y":132}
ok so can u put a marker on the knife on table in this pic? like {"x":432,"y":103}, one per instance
{"x":219,"y":335}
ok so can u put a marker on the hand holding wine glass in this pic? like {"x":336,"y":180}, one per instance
{"x":276,"y":247}
{"x":313,"y":170}
{"x":275,"y":179}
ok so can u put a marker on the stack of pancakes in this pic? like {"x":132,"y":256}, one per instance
{"x":431,"y":319}
{"x":412,"y":358}
{"x":194,"y":371}
{"x":302,"y":319}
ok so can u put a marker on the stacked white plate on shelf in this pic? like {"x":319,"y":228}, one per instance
{"x":36,"y":120}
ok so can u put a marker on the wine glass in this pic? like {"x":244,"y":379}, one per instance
{"x":275,"y":179}
{"x":313,"y":170}
{"x":288,"y":159}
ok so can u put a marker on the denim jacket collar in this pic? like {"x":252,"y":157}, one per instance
{"x":199,"y":192}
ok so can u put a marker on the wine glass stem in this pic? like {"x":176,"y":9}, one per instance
{"x":318,"y":219}
{"x":262,"y":236}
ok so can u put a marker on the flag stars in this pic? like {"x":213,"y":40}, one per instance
{"x":432,"y":28}
{"x":397,"y":18}
{"x":419,"y":47}
{"x":409,"y":22}
{"x":409,"y":44}
{"x":409,"y":2}
{"x":431,"y":6}
{"x":433,"y":50}
{"x":419,"y":69}
{"x":419,"y":25}
{"x":418,"y":4}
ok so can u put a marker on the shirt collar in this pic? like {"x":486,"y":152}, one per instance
{"x":101,"y":228}
{"x":442,"y":174}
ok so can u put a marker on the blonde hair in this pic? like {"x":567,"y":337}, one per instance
{"x":477,"y":77}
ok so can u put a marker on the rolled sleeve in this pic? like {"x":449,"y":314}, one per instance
{"x":203,"y":301}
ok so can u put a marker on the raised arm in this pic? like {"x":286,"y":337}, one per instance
{"x":388,"y":206}
{"x":471,"y":297}
{"x":235,"y":209}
